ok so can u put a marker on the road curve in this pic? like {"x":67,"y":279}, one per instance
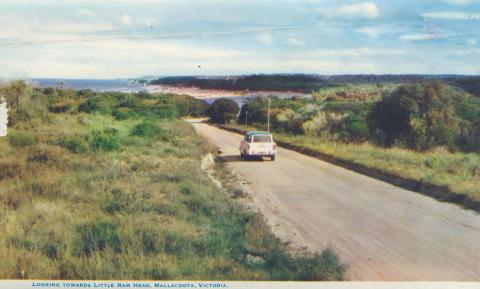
{"x":383,"y":232}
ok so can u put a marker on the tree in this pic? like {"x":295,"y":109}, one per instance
{"x":420,"y":115}
{"x":254,"y":111}
{"x":222,"y":110}
{"x":15,"y":92}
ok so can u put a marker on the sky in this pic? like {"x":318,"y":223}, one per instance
{"x":135,"y":38}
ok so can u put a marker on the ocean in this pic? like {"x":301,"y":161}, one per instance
{"x":120,"y":85}
{"x":125,"y":85}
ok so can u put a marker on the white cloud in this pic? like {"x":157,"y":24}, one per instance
{"x":86,"y":12}
{"x":450,"y":15}
{"x":126,"y":20}
{"x":77,"y":28}
{"x":353,"y":52}
{"x":372,"y":32}
{"x":461,"y":2}
{"x":367,"y":10}
{"x":51,"y":32}
{"x":265,"y":39}
{"x":419,"y":36}
{"x":295,"y":42}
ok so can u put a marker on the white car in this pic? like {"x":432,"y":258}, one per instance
{"x":258,"y":143}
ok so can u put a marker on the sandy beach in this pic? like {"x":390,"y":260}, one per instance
{"x":215,"y":93}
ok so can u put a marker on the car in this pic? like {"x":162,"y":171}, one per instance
{"x":258,"y":143}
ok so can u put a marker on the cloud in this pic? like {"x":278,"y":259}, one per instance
{"x":419,"y":37}
{"x":77,"y":28}
{"x":461,"y":2}
{"x":365,"y":10}
{"x":295,"y":42}
{"x":358,"y":52}
{"x":50,"y":32}
{"x":265,"y":39}
{"x":86,"y":12}
{"x":126,"y":20}
{"x":371,"y":32}
{"x":450,"y":15}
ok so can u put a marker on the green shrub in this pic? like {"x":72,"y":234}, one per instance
{"x":21,"y":139}
{"x":123,"y":113}
{"x":148,"y":129}
{"x":97,"y":236}
{"x":53,"y":247}
{"x":75,"y":143}
{"x":323,"y":267}
{"x":152,"y":241}
{"x":164,"y":111}
{"x":104,"y":141}
{"x":88,"y":106}
{"x":356,"y":128}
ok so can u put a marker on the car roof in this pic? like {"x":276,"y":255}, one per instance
{"x":258,"y":133}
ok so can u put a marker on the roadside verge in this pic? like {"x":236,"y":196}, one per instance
{"x":440,"y":192}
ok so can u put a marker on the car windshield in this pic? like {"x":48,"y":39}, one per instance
{"x":261,"y":138}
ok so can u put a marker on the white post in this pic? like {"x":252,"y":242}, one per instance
{"x":246,"y":117}
{"x":3,"y":117}
{"x":268,"y":115}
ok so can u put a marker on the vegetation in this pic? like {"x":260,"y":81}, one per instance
{"x":308,"y":83}
{"x":95,"y":197}
{"x":420,"y":116}
{"x":222,"y":110}
{"x":426,"y":131}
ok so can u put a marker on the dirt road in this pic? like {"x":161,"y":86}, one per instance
{"x":381,"y":231}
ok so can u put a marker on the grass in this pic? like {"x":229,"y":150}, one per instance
{"x":459,"y":171}
{"x":95,"y":197}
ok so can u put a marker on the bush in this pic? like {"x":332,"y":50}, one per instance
{"x":323,"y":267}
{"x":53,"y":247}
{"x":42,"y":154}
{"x":20,"y":139}
{"x":123,"y":113}
{"x":356,"y":128}
{"x":60,"y":107}
{"x":97,"y":236}
{"x":222,"y":110}
{"x":105,"y":141}
{"x":419,"y":115}
{"x":164,"y":111}
{"x":76,"y":144}
{"x":88,"y":106}
{"x":8,"y":170}
{"x":254,"y":111}
{"x":147,"y":129}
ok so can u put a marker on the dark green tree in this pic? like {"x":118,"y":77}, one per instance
{"x":222,"y":110}
{"x":420,"y":115}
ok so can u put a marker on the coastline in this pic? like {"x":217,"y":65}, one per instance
{"x":216,"y":93}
